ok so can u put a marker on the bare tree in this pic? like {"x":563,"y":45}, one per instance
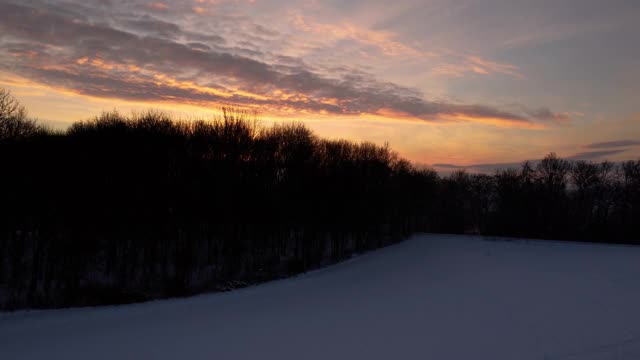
{"x":14,"y":122}
{"x":552,"y":173}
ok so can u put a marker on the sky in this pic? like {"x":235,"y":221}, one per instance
{"x":452,"y":83}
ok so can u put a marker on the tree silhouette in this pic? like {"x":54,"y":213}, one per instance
{"x":123,"y":208}
{"x":14,"y":122}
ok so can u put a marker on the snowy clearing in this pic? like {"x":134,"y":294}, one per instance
{"x":432,"y":297}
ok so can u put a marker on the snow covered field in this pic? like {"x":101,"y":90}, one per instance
{"x":432,"y":297}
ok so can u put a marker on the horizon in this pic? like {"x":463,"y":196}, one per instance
{"x":459,"y":85}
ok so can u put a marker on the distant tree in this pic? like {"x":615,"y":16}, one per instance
{"x":508,"y":214}
{"x":591,"y":198}
{"x":455,"y":203}
{"x":630,"y":199}
{"x":552,"y":173}
{"x":631,"y":174}
{"x":482,"y":198}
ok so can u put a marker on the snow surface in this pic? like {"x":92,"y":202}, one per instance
{"x":431,"y":297}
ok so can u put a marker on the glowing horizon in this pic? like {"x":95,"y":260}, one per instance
{"x":463,"y":89}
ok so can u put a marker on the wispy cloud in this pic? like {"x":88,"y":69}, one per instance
{"x":491,"y":168}
{"x":382,"y":40}
{"x":546,"y":115}
{"x":542,"y":35}
{"x":145,"y":58}
{"x":457,"y":65}
{"x":613,"y":144}
{"x":592,"y":155}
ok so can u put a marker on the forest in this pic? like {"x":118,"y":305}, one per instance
{"x":126,"y":208}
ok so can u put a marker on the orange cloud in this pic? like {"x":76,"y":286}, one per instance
{"x":158,"y":6}
{"x":452,"y":118}
{"x":458,"y":67}
{"x":380,"y":39}
{"x":484,"y":66}
{"x":156,"y":69}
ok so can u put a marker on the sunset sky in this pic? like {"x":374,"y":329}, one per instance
{"x":448,"y":82}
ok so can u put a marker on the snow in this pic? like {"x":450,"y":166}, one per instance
{"x":431,"y":297}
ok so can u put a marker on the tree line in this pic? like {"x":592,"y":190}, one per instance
{"x":122,"y":208}
{"x":126,"y":208}
{"x":555,"y":199}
